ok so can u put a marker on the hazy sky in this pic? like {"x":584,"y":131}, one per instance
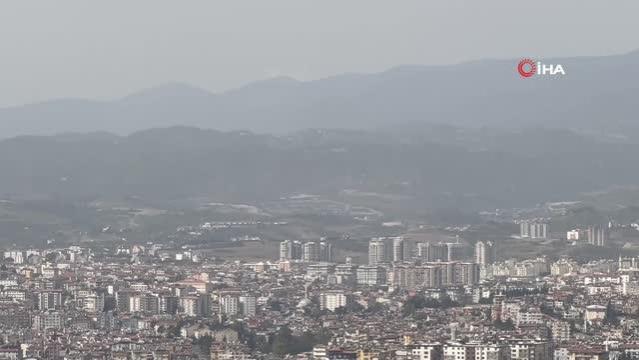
{"x":105,"y":49}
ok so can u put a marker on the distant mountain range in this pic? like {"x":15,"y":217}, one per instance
{"x":445,"y":168}
{"x":597,"y":94}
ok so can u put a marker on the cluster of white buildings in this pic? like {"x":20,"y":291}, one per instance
{"x":308,"y":251}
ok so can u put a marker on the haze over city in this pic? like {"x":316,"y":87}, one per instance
{"x":369,"y":180}
{"x":107,"y":50}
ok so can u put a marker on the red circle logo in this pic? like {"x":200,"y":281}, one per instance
{"x":527,"y":68}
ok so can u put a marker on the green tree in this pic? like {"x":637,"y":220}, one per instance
{"x":283,"y":341}
{"x":204,"y":344}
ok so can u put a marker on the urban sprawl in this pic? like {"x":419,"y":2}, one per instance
{"x":411,"y":300}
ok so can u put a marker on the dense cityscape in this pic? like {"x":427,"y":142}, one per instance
{"x":427,"y":301}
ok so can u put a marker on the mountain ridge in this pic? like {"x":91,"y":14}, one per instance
{"x":597,"y":93}
{"x":471,"y":169}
